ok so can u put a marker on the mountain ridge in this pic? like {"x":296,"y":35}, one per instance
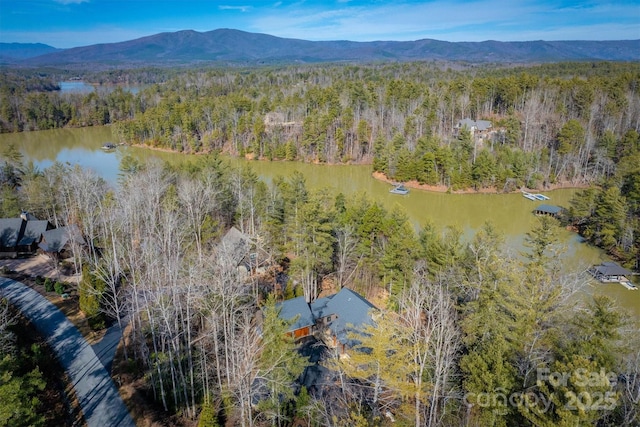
{"x":241,"y":47}
{"x":11,"y":52}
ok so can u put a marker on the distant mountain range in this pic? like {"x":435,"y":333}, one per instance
{"x":11,"y":52}
{"x":243,"y":48}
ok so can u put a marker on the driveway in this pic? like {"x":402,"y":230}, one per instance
{"x":39,"y":265}
{"x":99,"y":399}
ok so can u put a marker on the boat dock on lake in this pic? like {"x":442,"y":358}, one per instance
{"x":610,"y":272}
{"x":532,"y":196}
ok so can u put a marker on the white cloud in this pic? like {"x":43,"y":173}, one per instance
{"x":71,"y":1}
{"x":240,"y":8}
{"x":447,"y":20}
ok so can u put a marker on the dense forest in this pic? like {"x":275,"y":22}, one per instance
{"x":469,"y":332}
{"x":572,"y":124}
{"x":554,"y":123}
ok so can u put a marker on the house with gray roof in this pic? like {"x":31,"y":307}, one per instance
{"x":9,"y":236}
{"x":550,"y":210}
{"x":480,"y":129}
{"x":333,"y":317}
{"x":58,"y":240}
{"x":609,"y":272}
{"x":235,"y":245}
{"x":474,"y":125}
{"x":21,"y":236}
{"x":298,"y":313}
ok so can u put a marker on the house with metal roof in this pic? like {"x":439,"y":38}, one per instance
{"x":333,"y":317}
{"x":298,"y":313}
{"x":32,"y":235}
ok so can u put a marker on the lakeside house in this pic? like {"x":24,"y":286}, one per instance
{"x":331,"y":318}
{"x":479,"y":129}
{"x":276,"y":119}
{"x":234,"y":245}
{"x":242,"y":251}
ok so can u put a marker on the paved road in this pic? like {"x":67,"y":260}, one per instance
{"x":106,"y":348}
{"x":99,"y":399}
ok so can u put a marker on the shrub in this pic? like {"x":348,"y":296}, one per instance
{"x":59,"y":288}
{"x":49,"y":285}
{"x":208,"y":416}
{"x":97,"y":322}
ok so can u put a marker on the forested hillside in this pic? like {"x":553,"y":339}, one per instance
{"x":229,"y":47}
{"x":559,"y":123}
{"x":468,"y":333}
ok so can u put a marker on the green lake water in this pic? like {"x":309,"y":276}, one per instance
{"x":510,"y":213}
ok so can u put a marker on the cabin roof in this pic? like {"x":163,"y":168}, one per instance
{"x":235,"y":244}
{"x":611,"y":269}
{"x":480,"y":125}
{"x":351,"y":308}
{"x":550,"y":209}
{"x":33,"y":231}
{"x":55,"y":239}
{"x":298,"y":309}
{"x":353,"y":311}
{"x":10,"y":231}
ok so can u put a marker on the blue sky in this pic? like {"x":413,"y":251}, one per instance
{"x":70,"y":23}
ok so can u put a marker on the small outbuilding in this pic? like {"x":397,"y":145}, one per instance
{"x":550,"y":210}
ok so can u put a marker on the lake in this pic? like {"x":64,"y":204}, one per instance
{"x":78,"y":86}
{"x":511,"y":213}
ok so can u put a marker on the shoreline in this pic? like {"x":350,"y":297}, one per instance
{"x":382,"y":177}
{"x":247,"y":156}
{"x":485,"y":190}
